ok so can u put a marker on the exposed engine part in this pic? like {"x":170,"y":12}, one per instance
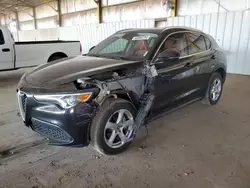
{"x":134,"y":84}
{"x":142,"y":85}
{"x":104,"y":91}
{"x":83,"y":82}
{"x":115,"y":75}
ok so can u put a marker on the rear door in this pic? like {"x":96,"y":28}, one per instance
{"x":6,"y":54}
{"x":199,"y":47}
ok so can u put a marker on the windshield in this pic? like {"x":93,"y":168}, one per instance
{"x":126,"y":45}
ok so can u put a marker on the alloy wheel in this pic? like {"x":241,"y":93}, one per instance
{"x":216,"y":89}
{"x":119,"y":128}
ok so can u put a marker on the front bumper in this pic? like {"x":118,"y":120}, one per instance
{"x":67,"y":127}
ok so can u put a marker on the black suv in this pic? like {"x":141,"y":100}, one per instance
{"x":103,"y":97}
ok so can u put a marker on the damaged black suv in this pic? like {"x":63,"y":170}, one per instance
{"x":102,"y":98}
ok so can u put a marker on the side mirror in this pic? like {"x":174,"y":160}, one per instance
{"x":91,"y":48}
{"x":167,"y":56}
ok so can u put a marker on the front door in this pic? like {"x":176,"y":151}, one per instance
{"x":6,"y":54}
{"x":173,"y":85}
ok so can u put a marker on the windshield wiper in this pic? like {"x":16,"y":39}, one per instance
{"x":93,"y":55}
{"x":116,"y":57}
{"x":108,"y":57}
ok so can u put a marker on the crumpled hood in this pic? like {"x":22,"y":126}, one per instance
{"x":70,"y":69}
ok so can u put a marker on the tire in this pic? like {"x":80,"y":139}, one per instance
{"x":209,"y":98}
{"x":101,"y":135}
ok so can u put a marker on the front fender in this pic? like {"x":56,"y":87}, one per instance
{"x":129,"y":96}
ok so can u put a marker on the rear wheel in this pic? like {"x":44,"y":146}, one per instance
{"x":112,"y":127}
{"x":56,"y":57}
{"x":214,"y":90}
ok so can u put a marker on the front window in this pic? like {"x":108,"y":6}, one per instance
{"x":175,"y":46}
{"x":128,"y":46}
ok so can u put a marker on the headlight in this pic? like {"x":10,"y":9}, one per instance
{"x":64,"y":100}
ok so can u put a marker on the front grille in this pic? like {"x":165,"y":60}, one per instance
{"x":50,"y":131}
{"x":22,"y":100}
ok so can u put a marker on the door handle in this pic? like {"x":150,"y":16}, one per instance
{"x":6,"y":50}
{"x":188,"y":65}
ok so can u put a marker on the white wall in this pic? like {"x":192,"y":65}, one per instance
{"x":113,"y":11}
{"x":194,"y":7}
{"x":25,"y":15}
{"x":140,"y":10}
{"x":46,"y":15}
{"x":76,"y":12}
{"x":37,"y":35}
{"x":70,"y":6}
{"x":27,"y":25}
{"x":46,"y":10}
{"x":78,"y":18}
{"x":26,"y":19}
{"x":10,"y":21}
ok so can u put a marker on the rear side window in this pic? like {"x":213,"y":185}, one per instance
{"x":196,"y":43}
{"x":208,"y":43}
{"x":1,"y":37}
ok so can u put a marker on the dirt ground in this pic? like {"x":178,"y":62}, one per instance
{"x":197,"y":146}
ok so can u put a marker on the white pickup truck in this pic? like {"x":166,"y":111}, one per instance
{"x":14,"y":55}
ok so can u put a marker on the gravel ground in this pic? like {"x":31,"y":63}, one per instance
{"x":197,"y":146}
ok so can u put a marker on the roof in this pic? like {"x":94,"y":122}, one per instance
{"x":150,"y":30}
{"x":183,"y":28}
{"x":159,"y":30}
{"x":7,"y":6}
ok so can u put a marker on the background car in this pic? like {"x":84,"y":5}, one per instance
{"x":15,"y":55}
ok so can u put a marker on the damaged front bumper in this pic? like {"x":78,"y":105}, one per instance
{"x":64,"y":127}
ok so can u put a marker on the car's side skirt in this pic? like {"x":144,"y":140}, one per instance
{"x":150,"y":119}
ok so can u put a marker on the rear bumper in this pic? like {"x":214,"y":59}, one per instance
{"x":68,"y":127}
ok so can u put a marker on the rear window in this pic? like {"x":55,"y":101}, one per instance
{"x":196,"y":43}
{"x":208,"y":43}
{"x":1,"y":38}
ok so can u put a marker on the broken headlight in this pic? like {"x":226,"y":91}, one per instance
{"x":64,"y":100}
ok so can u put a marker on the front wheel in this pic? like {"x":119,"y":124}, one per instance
{"x":214,"y":90}
{"x":112,"y":127}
